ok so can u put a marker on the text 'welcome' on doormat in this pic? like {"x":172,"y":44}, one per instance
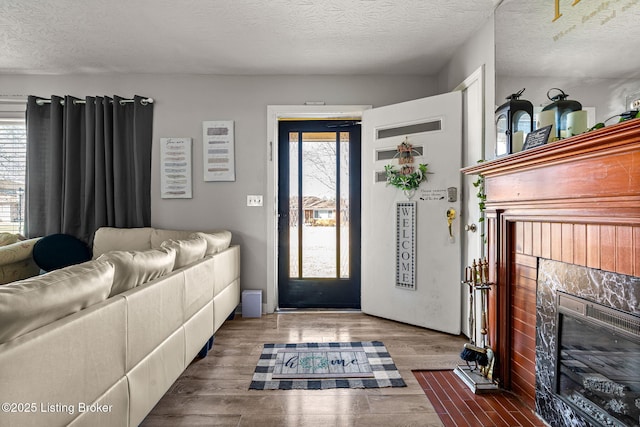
{"x":315,"y":366}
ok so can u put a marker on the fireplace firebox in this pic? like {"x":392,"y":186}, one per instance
{"x":598,"y":361}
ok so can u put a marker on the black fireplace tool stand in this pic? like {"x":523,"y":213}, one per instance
{"x":479,"y":358}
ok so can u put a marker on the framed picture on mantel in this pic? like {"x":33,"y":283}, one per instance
{"x":537,"y":138}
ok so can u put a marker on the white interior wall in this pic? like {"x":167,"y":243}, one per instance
{"x":183,"y":102}
{"x":479,"y":50}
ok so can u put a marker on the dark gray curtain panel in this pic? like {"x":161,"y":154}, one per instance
{"x":88,"y":165}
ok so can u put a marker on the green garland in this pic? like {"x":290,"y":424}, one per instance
{"x":406,"y":182}
{"x":481,"y":195}
{"x":482,"y":199}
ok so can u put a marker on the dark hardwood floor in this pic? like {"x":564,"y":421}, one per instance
{"x":457,"y":406}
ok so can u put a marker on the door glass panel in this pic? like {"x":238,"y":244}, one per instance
{"x":410,"y":129}
{"x":319,"y":180}
{"x":293,"y":206}
{"x":389,"y":154}
{"x":344,"y":204}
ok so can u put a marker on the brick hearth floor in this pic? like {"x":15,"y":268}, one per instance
{"x":457,"y":406}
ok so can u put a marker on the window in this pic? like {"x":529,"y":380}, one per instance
{"x":13,"y":160}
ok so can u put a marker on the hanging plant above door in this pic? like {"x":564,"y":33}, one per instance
{"x":407,"y":178}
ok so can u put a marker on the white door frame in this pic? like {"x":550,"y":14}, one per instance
{"x":477,"y":77}
{"x":274,"y":114}
{"x":471,"y":136}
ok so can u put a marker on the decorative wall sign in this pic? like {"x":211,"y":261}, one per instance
{"x":175,"y":173}
{"x":406,"y":245}
{"x":537,"y":138}
{"x":430,"y":194}
{"x":218,"y":150}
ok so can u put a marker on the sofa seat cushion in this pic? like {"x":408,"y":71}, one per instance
{"x":27,"y":304}
{"x":217,"y":241}
{"x":187,"y":251}
{"x":107,"y":239}
{"x":133,"y":268}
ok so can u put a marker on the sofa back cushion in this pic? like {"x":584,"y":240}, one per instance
{"x":30,"y":303}
{"x":217,"y":241}
{"x":159,"y":235}
{"x":107,"y":239}
{"x":133,"y":268}
{"x":187,"y":251}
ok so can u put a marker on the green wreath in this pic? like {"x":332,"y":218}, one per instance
{"x":403,"y":180}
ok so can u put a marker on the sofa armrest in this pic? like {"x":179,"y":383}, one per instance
{"x":16,"y":252}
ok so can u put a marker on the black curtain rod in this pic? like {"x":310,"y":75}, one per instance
{"x":143,"y":101}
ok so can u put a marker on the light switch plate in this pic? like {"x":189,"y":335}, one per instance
{"x":254,"y":200}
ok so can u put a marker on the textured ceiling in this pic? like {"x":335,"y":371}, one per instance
{"x":235,"y":36}
{"x":593,"y":38}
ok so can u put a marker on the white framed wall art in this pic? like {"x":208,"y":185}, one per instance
{"x":218,"y":150}
{"x":175,"y":171}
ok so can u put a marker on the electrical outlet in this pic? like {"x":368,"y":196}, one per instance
{"x":254,"y":200}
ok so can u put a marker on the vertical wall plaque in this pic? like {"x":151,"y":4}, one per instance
{"x":175,"y":171}
{"x":218,"y":150}
{"x":406,"y":245}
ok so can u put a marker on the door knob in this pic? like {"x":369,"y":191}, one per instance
{"x":472,"y":228}
{"x":451,"y":215}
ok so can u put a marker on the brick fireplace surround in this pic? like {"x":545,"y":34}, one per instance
{"x":576,"y":201}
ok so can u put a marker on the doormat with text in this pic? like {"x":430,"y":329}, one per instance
{"x":315,"y":366}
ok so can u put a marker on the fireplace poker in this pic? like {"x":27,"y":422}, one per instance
{"x":468,"y":274}
{"x":487,"y":369}
{"x":470,"y":351}
{"x":484,"y":329}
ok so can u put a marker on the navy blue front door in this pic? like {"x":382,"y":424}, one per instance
{"x":319,"y":214}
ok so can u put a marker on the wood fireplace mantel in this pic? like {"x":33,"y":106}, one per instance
{"x":577,"y":174}
{"x":577,"y":201}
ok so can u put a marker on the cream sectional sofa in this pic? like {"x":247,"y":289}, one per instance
{"x":76,"y":351}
